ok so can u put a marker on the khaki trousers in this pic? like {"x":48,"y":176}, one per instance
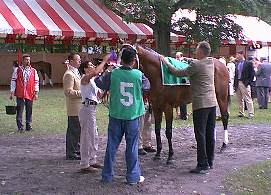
{"x":243,"y":93}
{"x":89,"y":135}
{"x":145,"y":130}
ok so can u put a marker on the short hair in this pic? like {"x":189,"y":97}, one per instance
{"x":205,"y":47}
{"x":179,"y":53}
{"x":71,"y":55}
{"x":26,"y":55}
{"x":128,"y":55}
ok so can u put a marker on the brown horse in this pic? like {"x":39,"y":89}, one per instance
{"x":165,"y":98}
{"x":45,"y":68}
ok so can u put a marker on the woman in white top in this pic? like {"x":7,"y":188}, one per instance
{"x":87,"y":116}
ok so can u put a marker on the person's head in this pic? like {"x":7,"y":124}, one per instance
{"x":26,"y":60}
{"x":74,"y":59}
{"x":240,"y":55}
{"x":203,"y":50}
{"x":86,"y":67}
{"x":128,"y":57}
{"x":232,"y":59}
{"x":179,"y":56}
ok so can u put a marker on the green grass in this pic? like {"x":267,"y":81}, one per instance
{"x":255,"y":179}
{"x":49,"y":114}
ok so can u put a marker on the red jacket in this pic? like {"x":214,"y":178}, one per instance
{"x":28,"y":91}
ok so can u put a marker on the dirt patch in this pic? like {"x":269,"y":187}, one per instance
{"x":35,"y":164}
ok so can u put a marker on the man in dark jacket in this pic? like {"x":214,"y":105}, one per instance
{"x":263,"y":74}
{"x":244,"y":73}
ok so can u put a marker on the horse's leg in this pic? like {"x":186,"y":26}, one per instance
{"x":169,"y":118}
{"x":223,"y":105}
{"x":158,"y":119}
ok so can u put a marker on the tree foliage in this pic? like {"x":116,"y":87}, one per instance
{"x":212,"y":22}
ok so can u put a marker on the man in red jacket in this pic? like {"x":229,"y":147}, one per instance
{"x":25,"y":86}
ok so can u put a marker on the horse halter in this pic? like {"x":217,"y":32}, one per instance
{"x":125,"y":45}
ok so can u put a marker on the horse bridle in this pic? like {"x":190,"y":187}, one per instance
{"x":133,"y":48}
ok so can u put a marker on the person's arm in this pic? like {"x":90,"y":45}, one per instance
{"x":95,"y":71}
{"x":173,"y":70}
{"x":68,"y":84}
{"x":103,"y":81}
{"x":13,"y":83}
{"x":36,"y":85}
{"x":145,"y":83}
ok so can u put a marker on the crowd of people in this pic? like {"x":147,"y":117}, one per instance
{"x":129,"y":109}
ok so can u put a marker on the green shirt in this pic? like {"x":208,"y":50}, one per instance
{"x":126,"y":100}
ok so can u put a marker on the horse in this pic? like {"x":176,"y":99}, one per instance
{"x":45,"y":68}
{"x":164,"y":98}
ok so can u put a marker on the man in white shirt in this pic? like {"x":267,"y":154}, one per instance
{"x":25,"y":86}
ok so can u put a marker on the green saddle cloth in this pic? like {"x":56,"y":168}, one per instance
{"x":170,"y":79}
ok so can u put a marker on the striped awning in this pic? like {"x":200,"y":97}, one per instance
{"x":67,"y":18}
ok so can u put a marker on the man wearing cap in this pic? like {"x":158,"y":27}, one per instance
{"x":244,"y":74}
{"x":263,"y":73}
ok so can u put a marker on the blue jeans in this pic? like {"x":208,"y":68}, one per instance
{"x":21,"y":102}
{"x":116,"y":129}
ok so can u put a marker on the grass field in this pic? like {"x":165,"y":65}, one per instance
{"x":49,"y":114}
{"x":255,"y":179}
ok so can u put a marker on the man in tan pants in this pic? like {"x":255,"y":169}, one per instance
{"x":244,"y":74}
{"x":145,"y":122}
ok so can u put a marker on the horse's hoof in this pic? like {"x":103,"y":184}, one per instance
{"x":170,"y":162}
{"x":223,"y":148}
{"x":156,"y":157}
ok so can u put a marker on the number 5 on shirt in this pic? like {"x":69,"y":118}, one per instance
{"x":129,"y":99}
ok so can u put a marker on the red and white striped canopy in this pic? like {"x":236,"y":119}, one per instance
{"x":67,"y":18}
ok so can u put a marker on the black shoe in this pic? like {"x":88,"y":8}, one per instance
{"x":199,"y":170}
{"x":73,"y":158}
{"x":184,"y":117}
{"x":141,"y":151}
{"x":149,"y":149}
{"x":28,"y":128}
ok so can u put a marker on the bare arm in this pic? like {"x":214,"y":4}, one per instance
{"x":173,"y":70}
{"x":94,"y":71}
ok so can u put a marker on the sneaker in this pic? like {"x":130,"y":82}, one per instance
{"x":250,"y":116}
{"x":141,"y":180}
{"x":199,"y":170}
{"x":97,"y":166}
{"x":28,"y":127}
{"x":241,"y":114}
{"x":89,"y":169}
{"x":141,"y":151}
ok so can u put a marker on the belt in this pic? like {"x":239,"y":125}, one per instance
{"x":90,"y":102}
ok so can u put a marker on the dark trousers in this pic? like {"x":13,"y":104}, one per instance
{"x":21,"y":102}
{"x":204,"y":128}
{"x":183,"y":110}
{"x":73,"y":136}
{"x":262,"y":96}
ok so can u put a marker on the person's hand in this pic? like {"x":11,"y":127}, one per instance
{"x":36,"y":96}
{"x":11,"y":95}
{"x":106,"y":57}
{"x":162,"y":58}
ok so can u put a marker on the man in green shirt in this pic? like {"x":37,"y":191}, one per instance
{"x":126,"y":105}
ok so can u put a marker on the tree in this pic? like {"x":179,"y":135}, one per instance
{"x":211,"y":23}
